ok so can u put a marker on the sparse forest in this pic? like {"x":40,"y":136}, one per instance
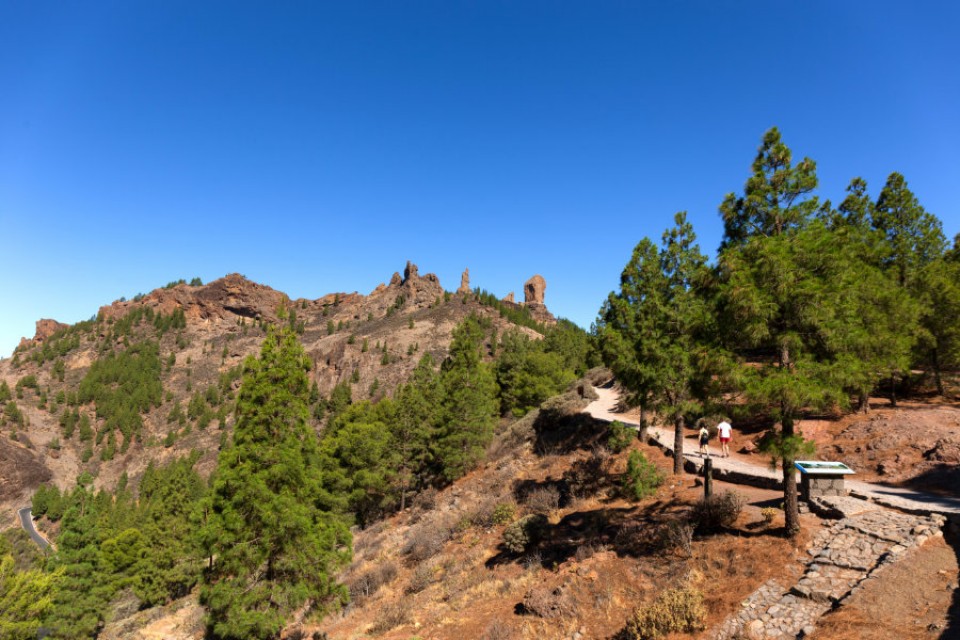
{"x":807,"y":308}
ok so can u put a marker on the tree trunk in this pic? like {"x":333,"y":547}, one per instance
{"x":678,"y":445}
{"x":863,"y":402}
{"x":893,"y":390}
{"x":935,"y":361}
{"x":791,"y":509}
{"x":642,"y":431}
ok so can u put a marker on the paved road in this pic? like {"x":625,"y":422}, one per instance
{"x":729,"y":469}
{"x":26,"y":521}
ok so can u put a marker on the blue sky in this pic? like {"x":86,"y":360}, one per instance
{"x":315,"y":147}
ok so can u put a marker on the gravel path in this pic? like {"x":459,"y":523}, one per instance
{"x":742,"y":472}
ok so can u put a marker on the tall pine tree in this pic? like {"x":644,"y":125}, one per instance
{"x":272,"y":541}
{"x":652,"y":330}
{"x":774,"y":298}
{"x":470,"y":405}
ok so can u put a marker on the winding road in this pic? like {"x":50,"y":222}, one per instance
{"x":737,"y":470}
{"x":26,"y":521}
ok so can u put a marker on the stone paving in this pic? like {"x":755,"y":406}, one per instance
{"x":842,"y":556}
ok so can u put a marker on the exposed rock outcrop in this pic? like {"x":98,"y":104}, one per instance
{"x":509,"y":297}
{"x":533,"y":294}
{"x":45,"y":329}
{"x":464,"y":282}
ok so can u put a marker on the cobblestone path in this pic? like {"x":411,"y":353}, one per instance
{"x":843,"y":555}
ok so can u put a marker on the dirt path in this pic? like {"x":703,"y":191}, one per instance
{"x":735,"y":468}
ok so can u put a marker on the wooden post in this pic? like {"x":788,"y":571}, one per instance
{"x":708,"y":477}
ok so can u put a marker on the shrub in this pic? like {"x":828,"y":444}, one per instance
{"x":503,"y":513}
{"x":426,"y":540}
{"x":642,"y":477}
{"x":548,"y":603}
{"x":544,"y":499}
{"x":675,"y":610}
{"x":525,"y":532}
{"x":674,"y":537}
{"x":426,"y":500}
{"x":620,"y":436}
{"x":586,"y":476}
{"x":390,"y":616}
{"x":586,"y":551}
{"x":639,"y":539}
{"x":368,"y":583}
{"x":719,"y":511}
{"x":768,"y":513}
{"x":497,"y":630}
{"x":423,"y":576}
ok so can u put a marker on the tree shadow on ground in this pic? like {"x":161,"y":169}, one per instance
{"x":614,"y":528}
{"x":558,"y":432}
{"x":943,"y":479}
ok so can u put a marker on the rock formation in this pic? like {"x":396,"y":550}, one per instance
{"x":533,"y":293}
{"x":509,"y":297}
{"x":533,"y":290}
{"x":464,"y":282}
{"x":45,"y":329}
{"x":410,"y":272}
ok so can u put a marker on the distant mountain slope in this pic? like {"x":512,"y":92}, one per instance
{"x":154,"y":377}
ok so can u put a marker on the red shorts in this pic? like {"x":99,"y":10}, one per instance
{"x":724,"y":440}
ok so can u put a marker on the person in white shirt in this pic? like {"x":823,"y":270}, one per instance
{"x":725,"y":431}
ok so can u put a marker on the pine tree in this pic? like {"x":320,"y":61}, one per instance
{"x":776,"y":197}
{"x":272,"y":541}
{"x":25,"y":599}
{"x":79,"y":603}
{"x":778,"y":296}
{"x":915,"y":237}
{"x":653,"y":328}
{"x":470,"y":405}
{"x":360,"y":459}
{"x":881,"y":322}
{"x":915,"y":241}
{"x":415,"y":425}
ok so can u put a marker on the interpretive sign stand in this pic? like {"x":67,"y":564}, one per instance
{"x":821,"y":478}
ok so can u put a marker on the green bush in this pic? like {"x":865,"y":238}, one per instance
{"x":525,"y":532}
{"x":642,"y":477}
{"x":620,"y":436}
{"x":675,"y":610}
{"x":503,"y":513}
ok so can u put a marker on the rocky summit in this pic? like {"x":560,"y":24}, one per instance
{"x":203,"y":333}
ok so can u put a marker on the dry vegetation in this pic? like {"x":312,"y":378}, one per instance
{"x":443,"y":569}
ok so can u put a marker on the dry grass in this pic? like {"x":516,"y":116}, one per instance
{"x":390,"y":616}
{"x":853,"y":624}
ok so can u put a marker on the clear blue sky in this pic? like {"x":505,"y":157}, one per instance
{"x":316,"y":147}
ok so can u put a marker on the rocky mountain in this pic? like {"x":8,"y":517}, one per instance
{"x":193,"y":339}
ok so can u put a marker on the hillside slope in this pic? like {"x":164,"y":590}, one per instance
{"x":152,"y":378}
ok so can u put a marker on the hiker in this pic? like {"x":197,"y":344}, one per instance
{"x":704,"y":439}
{"x":725,"y":431}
